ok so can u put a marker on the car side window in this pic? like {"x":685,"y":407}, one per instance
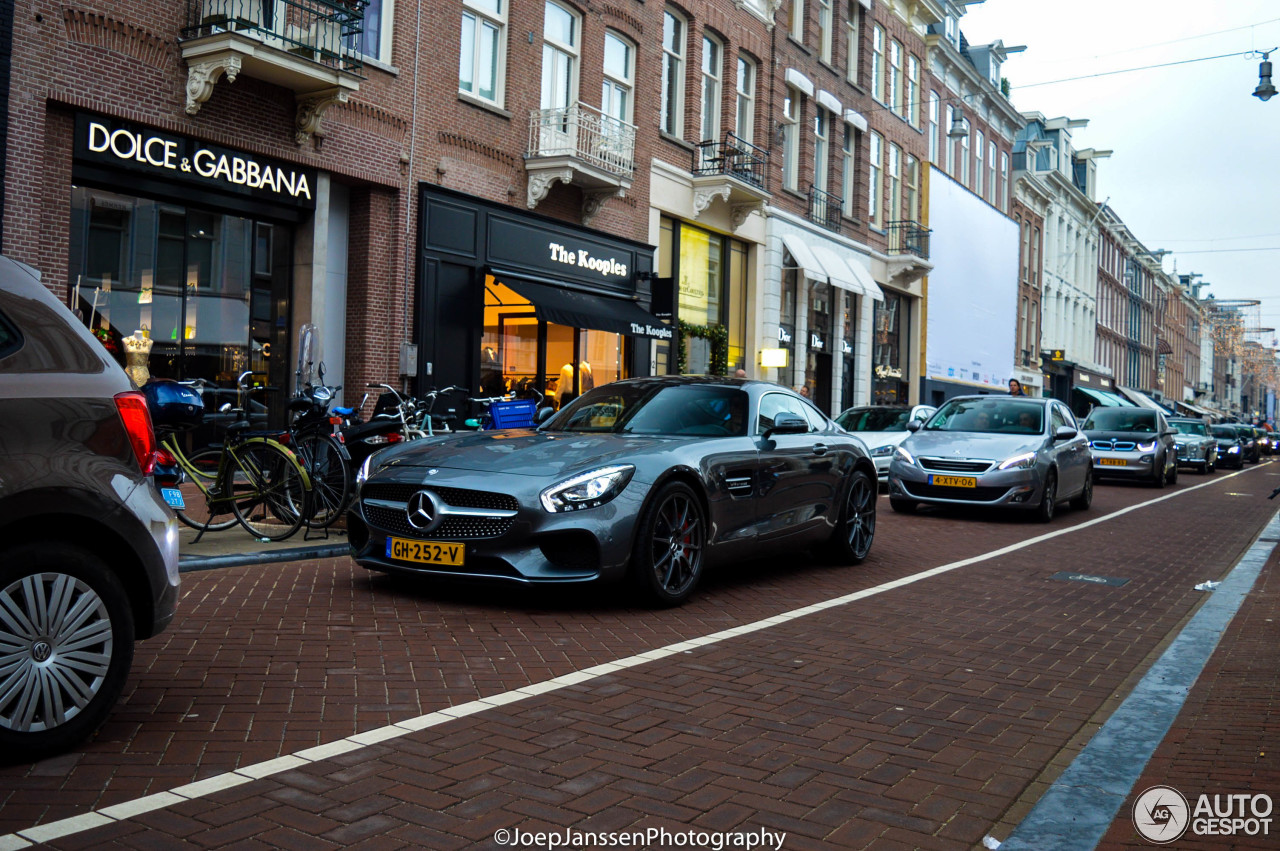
{"x":10,"y":338}
{"x":1057,"y":418}
{"x":817,"y":422}
{"x":772,"y":404}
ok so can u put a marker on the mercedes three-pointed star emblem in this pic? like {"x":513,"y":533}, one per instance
{"x":424,"y":511}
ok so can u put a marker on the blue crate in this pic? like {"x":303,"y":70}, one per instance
{"x":518,"y":413}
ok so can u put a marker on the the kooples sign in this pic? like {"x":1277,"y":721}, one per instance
{"x":189,"y":160}
{"x":584,"y":260}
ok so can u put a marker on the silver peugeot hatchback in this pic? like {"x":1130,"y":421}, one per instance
{"x":1018,"y":452}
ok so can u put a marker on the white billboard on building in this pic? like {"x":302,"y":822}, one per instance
{"x":973,"y":288}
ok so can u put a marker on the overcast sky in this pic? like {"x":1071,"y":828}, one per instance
{"x":1196,"y":162}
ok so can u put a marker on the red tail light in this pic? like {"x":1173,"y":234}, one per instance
{"x":132,"y":406}
{"x":164,"y":459}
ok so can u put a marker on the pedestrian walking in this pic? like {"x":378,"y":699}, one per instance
{"x":1015,"y":388}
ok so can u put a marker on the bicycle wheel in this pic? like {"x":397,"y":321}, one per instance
{"x":269,"y":492}
{"x":330,"y":478}
{"x":197,"y":513}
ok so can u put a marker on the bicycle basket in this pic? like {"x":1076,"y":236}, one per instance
{"x":518,"y":413}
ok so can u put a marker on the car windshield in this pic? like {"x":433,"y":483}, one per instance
{"x":993,"y":415}
{"x":622,"y":408}
{"x":1121,"y":419}
{"x":874,"y":419}
{"x":1189,"y":427}
{"x":1229,"y":432}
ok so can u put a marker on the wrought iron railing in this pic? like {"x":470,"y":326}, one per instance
{"x":908,"y":237}
{"x":324,"y":31}
{"x":586,"y":133}
{"x":734,"y":157}
{"x":824,"y":209}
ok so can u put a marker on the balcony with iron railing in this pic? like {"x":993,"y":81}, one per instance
{"x":307,"y":46}
{"x":824,"y":209}
{"x":908,"y":237}
{"x":734,"y":170}
{"x":580,"y":145}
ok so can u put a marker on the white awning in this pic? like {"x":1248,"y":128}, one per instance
{"x":863,"y":275}
{"x":837,"y":270}
{"x":852,"y":116}
{"x":800,"y":81}
{"x":1142,"y":400}
{"x":813,"y":270}
{"x":830,"y":101}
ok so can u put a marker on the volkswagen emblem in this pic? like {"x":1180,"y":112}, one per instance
{"x":41,"y":651}
{"x":424,"y":511}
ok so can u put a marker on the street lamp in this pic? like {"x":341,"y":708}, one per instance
{"x":959,"y":124}
{"x":1265,"y":89}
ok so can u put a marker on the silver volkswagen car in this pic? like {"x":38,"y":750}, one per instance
{"x":994,"y":450}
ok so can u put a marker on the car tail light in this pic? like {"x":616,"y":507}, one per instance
{"x":132,"y":406}
{"x":164,"y":459}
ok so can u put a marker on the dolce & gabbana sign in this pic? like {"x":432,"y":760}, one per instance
{"x":169,"y":156}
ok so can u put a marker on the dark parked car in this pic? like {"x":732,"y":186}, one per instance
{"x":648,"y":479}
{"x":88,"y":549}
{"x":1194,"y":444}
{"x":1132,"y":443}
{"x":1249,"y":442}
{"x":1232,"y":447}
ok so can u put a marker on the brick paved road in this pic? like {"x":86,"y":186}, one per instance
{"x":924,"y":716}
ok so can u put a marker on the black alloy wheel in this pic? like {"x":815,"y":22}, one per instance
{"x":1161,"y":476}
{"x":668,"y":557}
{"x":1085,"y":498}
{"x":66,"y":645}
{"x":857,"y":527}
{"x":1049,"y":501}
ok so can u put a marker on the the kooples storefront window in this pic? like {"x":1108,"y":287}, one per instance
{"x":889,"y":363}
{"x":710,"y":271}
{"x":188,"y":274}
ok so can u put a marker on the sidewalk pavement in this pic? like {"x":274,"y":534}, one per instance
{"x":235,"y":546}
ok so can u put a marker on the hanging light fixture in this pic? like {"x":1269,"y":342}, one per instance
{"x":959,"y":124}
{"x":1265,"y":89}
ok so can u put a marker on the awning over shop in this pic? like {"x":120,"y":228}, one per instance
{"x":1142,"y":400}
{"x":598,"y":312}
{"x":861,"y":277}
{"x":813,"y":270}
{"x":1105,"y":399}
{"x":1194,"y":410}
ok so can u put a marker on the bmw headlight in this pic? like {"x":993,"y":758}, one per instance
{"x":1147,"y":447}
{"x":1025,"y":461}
{"x":882,"y":451}
{"x":587,"y":490}
{"x":904,"y":455}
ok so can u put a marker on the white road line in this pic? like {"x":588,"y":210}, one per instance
{"x":246,"y":774}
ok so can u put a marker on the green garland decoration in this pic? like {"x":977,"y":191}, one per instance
{"x":719,"y":337}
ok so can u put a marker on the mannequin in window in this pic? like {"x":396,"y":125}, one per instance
{"x":137,"y":350}
{"x":565,"y":386}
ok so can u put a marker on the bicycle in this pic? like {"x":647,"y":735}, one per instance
{"x":316,"y":436}
{"x":251,"y":476}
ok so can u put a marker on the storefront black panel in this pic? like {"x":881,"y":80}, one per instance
{"x":450,"y":227}
{"x":103,"y":177}
{"x":449,"y":298}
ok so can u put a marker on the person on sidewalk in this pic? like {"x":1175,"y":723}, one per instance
{"x":1015,"y":388}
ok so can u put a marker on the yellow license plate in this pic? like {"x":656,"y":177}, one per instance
{"x":1111,"y":462}
{"x":426,"y":552}
{"x":954,"y":481}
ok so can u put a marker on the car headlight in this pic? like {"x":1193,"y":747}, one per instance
{"x":1025,"y":461}
{"x":1147,"y":447}
{"x":905,"y":455}
{"x":587,"y":490}
{"x":1233,"y":449}
{"x":366,"y":470}
{"x":882,"y":451}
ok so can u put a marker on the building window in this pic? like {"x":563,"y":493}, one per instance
{"x":875,"y":212}
{"x":820,"y":161}
{"x":913,"y":189}
{"x":949,"y":145}
{"x":964,"y":160}
{"x":709,"y":129}
{"x":619,"y":79}
{"x":877,"y":63}
{"x":979,"y":177}
{"x":991,"y":172}
{"x":932,"y":130}
{"x":912,"y":106}
{"x":791,"y":139}
{"x":895,"y":77}
{"x":374,"y":38}
{"x":825,"y":35}
{"x":847,"y":164}
{"x":895,"y":182}
{"x":1004,"y":180}
{"x":851,"y":29}
{"x":560,"y":43}
{"x":481,"y":61}
{"x":671,"y":118}
{"x":797,"y":20}
{"x":745,"y":124}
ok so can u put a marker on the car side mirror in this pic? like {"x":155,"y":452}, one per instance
{"x":543,"y":415}
{"x":914,"y":425}
{"x":1168,"y":433}
{"x":1065,"y":433}
{"x":788,"y":423}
